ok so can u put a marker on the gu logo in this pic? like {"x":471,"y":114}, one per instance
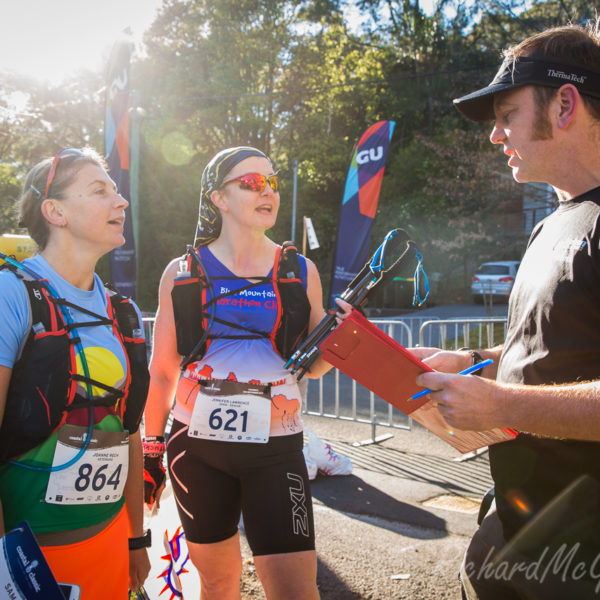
{"x":370,"y":155}
{"x":299,"y":512}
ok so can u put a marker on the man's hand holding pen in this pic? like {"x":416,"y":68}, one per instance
{"x":465,"y":401}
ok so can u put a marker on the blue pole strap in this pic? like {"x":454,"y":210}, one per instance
{"x":417,"y":300}
{"x":377,"y":263}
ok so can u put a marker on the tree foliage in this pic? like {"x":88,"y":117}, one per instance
{"x":301,"y":82}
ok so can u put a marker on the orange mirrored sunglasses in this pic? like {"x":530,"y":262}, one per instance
{"x":255,"y":182}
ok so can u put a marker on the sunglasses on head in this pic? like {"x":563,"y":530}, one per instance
{"x":255,"y":182}
{"x":52,"y":172}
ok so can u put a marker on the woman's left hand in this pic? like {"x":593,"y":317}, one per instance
{"x":344,"y":309}
{"x":139,"y":567}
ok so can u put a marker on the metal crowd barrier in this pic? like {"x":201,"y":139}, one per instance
{"x":148,"y":333}
{"x":337,"y":396}
{"x":484,"y":332}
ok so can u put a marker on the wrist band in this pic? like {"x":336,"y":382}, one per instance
{"x":144,"y":541}
{"x":154,"y":445}
{"x":475,"y":356}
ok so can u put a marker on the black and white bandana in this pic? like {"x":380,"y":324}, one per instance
{"x":209,"y":217}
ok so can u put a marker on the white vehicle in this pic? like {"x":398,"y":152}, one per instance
{"x":494,"y":279}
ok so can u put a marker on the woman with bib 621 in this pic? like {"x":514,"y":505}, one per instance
{"x":73,"y":382}
{"x":229,"y":314}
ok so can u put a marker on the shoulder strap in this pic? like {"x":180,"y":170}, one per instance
{"x":193,"y":266}
{"x":45,"y":315}
{"x":124,"y":312}
{"x":287,"y":265}
{"x":6,"y":265}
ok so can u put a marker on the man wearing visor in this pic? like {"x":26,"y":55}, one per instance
{"x":540,"y":537}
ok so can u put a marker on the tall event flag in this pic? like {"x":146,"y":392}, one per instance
{"x":359,"y":204}
{"x":116,"y":144}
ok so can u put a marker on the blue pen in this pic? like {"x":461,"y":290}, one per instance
{"x":471,"y":369}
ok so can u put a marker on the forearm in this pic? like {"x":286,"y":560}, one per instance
{"x":165,"y":361}
{"x":134,"y":487}
{"x":139,"y":564}
{"x":158,"y":403}
{"x":452,"y":361}
{"x":318,"y":368}
{"x":566,"y":411}
{"x":477,"y":403}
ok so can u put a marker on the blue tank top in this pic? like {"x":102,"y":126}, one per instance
{"x":245,"y":360}
{"x":254,"y":308}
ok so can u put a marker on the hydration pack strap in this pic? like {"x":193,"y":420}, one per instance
{"x":261,"y":281}
{"x":81,"y":402}
{"x":107,"y":388}
{"x":100,"y":319}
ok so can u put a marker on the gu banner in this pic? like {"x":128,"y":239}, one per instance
{"x":116,"y":144}
{"x":359,"y":204}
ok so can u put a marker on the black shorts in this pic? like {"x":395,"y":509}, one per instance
{"x":268,"y":483}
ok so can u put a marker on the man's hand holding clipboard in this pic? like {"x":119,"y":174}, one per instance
{"x":362,"y":351}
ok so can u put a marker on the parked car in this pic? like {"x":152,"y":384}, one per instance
{"x":494,"y":279}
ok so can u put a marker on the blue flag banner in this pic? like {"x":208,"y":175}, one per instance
{"x":116,"y":143}
{"x":359,"y":204}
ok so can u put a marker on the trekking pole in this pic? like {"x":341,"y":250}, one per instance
{"x":373,"y":274}
{"x":355,"y":294}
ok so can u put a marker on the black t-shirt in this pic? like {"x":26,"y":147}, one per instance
{"x":553,"y":338}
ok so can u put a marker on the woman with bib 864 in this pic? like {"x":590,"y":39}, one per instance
{"x":73,"y":382}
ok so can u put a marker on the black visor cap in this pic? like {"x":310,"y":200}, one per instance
{"x":520,"y":71}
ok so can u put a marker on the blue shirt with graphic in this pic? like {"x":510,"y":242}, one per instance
{"x":22,"y":490}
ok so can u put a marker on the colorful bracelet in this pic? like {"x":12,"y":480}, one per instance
{"x":154,"y":444}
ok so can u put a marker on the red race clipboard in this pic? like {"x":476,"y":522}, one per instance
{"x":362,"y":351}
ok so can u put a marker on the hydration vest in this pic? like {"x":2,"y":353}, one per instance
{"x":192,"y":309}
{"x":43,"y":384}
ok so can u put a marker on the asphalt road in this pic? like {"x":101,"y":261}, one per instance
{"x":377,"y":536}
